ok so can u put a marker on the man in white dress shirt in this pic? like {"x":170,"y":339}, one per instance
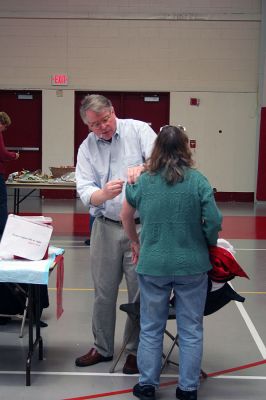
{"x":111,"y":155}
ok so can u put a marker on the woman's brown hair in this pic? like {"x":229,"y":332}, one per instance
{"x":170,"y":154}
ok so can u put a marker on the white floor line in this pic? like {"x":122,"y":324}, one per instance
{"x":250,"y":249}
{"x":80,"y":244}
{"x":251,"y":327}
{"x":73,"y":247}
{"x":71,"y":240}
{"x":76,"y":243}
{"x":240,"y":377}
{"x":107,"y":374}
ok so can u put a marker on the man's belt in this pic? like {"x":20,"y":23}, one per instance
{"x":137,"y":220}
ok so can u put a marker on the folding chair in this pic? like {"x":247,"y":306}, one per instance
{"x":215,"y":300}
{"x":133,"y":312}
{"x":14,"y":303}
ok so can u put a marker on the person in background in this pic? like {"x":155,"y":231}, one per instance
{"x":5,"y":155}
{"x":88,"y":241}
{"x":8,"y":299}
{"x":179,"y":220}
{"x":113,"y":153}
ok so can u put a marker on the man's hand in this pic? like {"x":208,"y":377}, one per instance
{"x":113,"y":188}
{"x":133,"y":173}
{"x":110,"y":190}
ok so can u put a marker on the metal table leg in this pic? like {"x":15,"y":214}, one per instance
{"x":34,"y":316}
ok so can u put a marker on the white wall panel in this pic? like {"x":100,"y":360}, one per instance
{"x":131,"y":55}
{"x":228,"y":158}
{"x":57,"y":128}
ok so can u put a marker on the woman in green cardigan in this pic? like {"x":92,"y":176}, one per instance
{"x":179,"y":220}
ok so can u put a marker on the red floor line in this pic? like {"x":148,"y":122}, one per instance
{"x":96,"y":396}
{"x":246,"y":366}
{"x":212,"y":374}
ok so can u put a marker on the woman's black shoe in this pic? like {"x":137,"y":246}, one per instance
{"x":185,"y":394}
{"x":145,"y":392}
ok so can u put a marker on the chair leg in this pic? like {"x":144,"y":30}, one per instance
{"x":112,"y":369}
{"x":170,"y":335}
{"x":167,"y":356}
{"x":24,"y":318}
{"x":203,"y":374}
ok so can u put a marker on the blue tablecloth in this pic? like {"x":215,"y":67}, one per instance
{"x":24,"y":271}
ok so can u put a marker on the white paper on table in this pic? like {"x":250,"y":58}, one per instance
{"x":24,"y":238}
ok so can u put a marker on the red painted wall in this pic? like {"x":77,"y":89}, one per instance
{"x":26,"y":128}
{"x":261,"y":179}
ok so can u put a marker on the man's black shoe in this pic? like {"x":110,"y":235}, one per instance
{"x":185,"y":394}
{"x":145,"y":392}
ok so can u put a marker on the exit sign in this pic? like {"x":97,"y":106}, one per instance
{"x":59,"y":80}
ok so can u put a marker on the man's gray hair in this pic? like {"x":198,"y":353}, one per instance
{"x":94,"y":102}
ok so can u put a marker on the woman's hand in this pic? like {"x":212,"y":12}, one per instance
{"x":135,"y":247}
{"x":133,"y":173}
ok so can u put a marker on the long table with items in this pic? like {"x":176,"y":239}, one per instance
{"x":35,"y":274}
{"x":17,"y":186}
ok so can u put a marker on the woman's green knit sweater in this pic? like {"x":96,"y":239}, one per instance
{"x":179,"y":222}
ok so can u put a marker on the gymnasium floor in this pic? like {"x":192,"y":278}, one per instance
{"x":235,"y":336}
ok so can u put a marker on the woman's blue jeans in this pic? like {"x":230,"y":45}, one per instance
{"x":155,"y":291}
{"x":3,"y":204}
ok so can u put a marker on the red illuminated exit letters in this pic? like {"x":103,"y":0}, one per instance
{"x":59,"y":80}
